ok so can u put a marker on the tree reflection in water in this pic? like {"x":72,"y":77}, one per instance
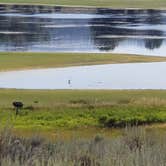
{"x":21,"y":30}
{"x":118,"y":23}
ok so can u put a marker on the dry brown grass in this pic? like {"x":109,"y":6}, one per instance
{"x":136,"y":147}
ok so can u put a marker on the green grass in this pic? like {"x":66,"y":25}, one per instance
{"x":94,"y":3}
{"x":18,"y":61}
{"x":79,"y":98}
{"x":74,"y":109}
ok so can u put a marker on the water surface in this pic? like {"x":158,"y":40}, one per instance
{"x":58,"y":29}
{"x":114,"y":76}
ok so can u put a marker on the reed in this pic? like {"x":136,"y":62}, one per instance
{"x":136,"y":147}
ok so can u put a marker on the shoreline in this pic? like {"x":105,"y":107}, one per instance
{"x":84,"y":6}
{"x":28,"y":61}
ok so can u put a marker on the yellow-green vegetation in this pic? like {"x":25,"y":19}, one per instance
{"x":90,"y":108}
{"x":70,"y":118}
{"x":18,"y":61}
{"x":95,"y":3}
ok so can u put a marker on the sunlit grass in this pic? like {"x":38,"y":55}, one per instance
{"x":96,"y":3}
{"x":18,"y":61}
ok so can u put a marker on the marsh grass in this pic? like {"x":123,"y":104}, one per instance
{"x":134,"y":148}
{"x":50,"y":99}
{"x":76,"y":109}
{"x":84,"y":116}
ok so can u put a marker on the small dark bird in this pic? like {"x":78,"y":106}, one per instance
{"x":18,"y":105}
{"x":69,"y":82}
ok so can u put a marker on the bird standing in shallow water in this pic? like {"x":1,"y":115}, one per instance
{"x":69,"y":82}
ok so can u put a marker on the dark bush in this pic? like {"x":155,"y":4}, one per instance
{"x":81,"y":101}
{"x":29,"y":107}
{"x":103,"y":119}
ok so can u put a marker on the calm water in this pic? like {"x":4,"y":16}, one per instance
{"x":57,"y":29}
{"x":114,"y":76}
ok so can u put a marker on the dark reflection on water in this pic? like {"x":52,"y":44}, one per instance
{"x":59,"y":29}
{"x":140,"y":27}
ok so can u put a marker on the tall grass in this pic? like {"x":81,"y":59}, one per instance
{"x":135,"y":148}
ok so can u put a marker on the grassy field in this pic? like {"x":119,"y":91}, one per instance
{"x":74,"y":109}
{"x":17,"y":61}
{"x":98,"y":3}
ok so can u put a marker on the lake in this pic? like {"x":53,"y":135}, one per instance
{"x":114,"y":76}
{"x":60,"y":29}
